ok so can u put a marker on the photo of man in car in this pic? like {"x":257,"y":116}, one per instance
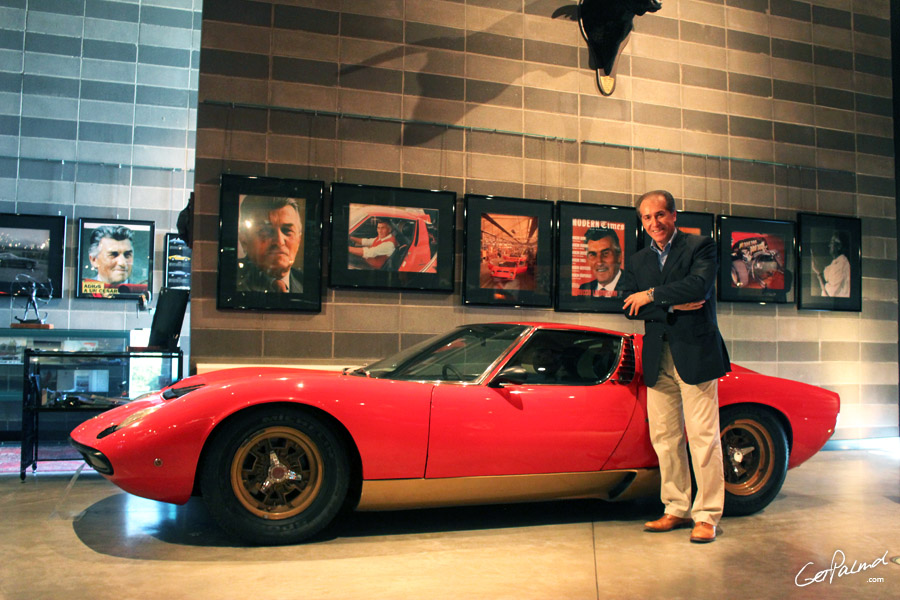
{"x":392,"y":238}
{"x":375,"y":250}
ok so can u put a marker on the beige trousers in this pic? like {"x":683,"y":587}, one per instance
{"x":674,"y":407}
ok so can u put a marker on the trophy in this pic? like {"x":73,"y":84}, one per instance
{"x":36,"y":291}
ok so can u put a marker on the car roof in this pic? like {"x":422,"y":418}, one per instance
{"x":560,"y":326}
{"x":360,"y":213}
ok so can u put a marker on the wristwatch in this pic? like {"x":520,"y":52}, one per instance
{"x":650,"y":294}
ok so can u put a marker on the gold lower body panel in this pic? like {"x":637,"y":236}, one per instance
{"x":396,"y":494}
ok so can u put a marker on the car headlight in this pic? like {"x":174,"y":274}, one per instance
{"x":131,"y":419}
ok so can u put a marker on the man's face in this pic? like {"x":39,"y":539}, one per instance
{"x":272,"y":244}
{"x":657,"y":221}
{"x":603,"y":260}
{"x":384,"y":229}
{"x":834,"y":245}
{"x":114,"y":260}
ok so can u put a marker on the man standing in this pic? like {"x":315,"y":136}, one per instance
{"x":269,"y":232}
{"x":683,"y":356}
{"x":111,"y":254}
{"x":603,"y":255}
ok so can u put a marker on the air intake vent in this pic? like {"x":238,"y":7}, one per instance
{"x":625,"y":373}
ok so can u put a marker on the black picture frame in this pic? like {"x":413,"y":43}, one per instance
{"x":35,"y":246}
{"x":588,"y":236}
{"x":177,"y":273}
{"x":508,"y":255}
{"x":757,"y":261}
{"x":100,"y":276}
{"x":836,"y":245}
{"x":241,"y":284}
{"x":415,"y":227}
{"x":689,"y":222}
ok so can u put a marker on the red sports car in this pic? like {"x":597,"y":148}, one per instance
{"x":509,"y":267}
{"x":488,"y":413}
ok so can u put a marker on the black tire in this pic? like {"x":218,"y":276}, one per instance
{"x":282,"y":501}
{"x":755,"y":453}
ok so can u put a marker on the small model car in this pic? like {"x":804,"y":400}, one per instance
{"x":509,"y":267}
{"x":8,"y":260}
{"x":491,"y":413}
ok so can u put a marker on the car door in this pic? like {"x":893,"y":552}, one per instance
{"x":565,"y":413}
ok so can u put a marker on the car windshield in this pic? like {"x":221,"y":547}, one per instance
{"x":461,"y":355}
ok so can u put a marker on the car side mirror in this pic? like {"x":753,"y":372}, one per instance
{"x":510,"y":376}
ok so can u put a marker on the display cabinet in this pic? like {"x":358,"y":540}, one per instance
{"x":78,"y":385}
{"x":13,"y":343}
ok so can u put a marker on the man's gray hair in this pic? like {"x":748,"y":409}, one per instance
{"x":670,"y":200}
{"x":595,"y":234}
{"x":115,"y":232}
{"x":254,"y":206}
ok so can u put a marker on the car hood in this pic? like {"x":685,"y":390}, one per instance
{"x":226,"y":376}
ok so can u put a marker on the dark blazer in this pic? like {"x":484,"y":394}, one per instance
{"x":697,"y":347}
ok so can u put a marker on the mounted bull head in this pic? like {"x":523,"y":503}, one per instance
{"x":605,"y":25}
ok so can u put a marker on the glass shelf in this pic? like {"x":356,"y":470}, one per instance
{"x":81,"y":384}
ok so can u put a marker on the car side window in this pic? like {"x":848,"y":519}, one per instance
{"x":464,"y":358}
{"x":552,"y":357}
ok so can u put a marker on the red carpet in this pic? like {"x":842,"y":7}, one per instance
{"x":49,"y":455}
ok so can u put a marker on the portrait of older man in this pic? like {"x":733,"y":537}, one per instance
{"x":111,"y":255}
{"x":604,"y":254}
{"x":270,"y":232}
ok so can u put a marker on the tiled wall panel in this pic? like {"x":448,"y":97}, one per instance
{"x":758,"y":108}
{"x":97,"y":119}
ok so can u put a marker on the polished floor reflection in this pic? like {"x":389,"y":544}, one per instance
{"x":92,"y":541}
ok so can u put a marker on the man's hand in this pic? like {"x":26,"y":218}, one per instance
{"x":635,"y":301}
{"x":814,"y":264}
{"x":689,"y":305}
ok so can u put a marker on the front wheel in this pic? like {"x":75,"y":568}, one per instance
{"x":276,"y":476}
{"x":755,"y":453}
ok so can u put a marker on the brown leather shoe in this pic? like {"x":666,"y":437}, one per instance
{"x":703,"y":533}
{"x":667,"y":523}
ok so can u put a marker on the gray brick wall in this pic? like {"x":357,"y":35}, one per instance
{"x":98,"y":102}
{"x":98,"y":107}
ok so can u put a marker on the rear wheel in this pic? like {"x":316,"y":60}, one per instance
{"x":755,"y":453}
{"x":275,"y":477}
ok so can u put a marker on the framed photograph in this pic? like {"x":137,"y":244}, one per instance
{"x":178,"y":263}
{"x":830,"y":269}
{"x":508,"y":252}
{"x":756,"y":260}
{"x":688,"y":222}
{"x":392,"y":238}
{"x":115,"y":258}
{"x":594,"y":244}
{"x":32,"y":255}
{"x":270,"y":244}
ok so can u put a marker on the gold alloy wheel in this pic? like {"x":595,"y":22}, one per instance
{"x":747,"y":449}
{"x":277,"y":473}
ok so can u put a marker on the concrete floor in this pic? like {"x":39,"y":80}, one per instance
{"x":95,"y":542}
